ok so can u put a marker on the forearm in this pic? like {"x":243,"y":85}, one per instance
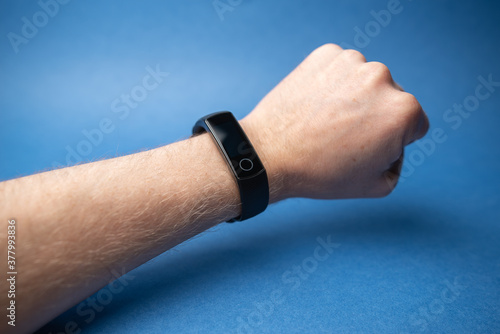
{"x":77,"y":225}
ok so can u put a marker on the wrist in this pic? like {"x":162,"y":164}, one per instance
{"x":278,"y":188}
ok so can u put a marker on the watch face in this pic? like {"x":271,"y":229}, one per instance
{"x":238,"y":149}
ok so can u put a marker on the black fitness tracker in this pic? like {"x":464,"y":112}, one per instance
{"x":242,"y":159}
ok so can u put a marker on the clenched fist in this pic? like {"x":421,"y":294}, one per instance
{"x":335,"y":127}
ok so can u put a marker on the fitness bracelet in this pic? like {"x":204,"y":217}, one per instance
{"x":241,"y":158}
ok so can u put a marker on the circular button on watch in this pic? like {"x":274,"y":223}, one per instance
{"x":246,"y":164}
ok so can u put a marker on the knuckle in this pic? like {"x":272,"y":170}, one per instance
{"x":328,"y":50}
{"x":378,"y":71}
{"x":409,"y":105}
{"x":329,"y":47}
{"x":409,"y":100}
{"x":354,"y":55}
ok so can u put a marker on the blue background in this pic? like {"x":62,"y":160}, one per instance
{"x":396,"y":257}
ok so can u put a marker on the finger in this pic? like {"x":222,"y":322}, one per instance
{"x":415,"y":119}
{"x":395,"y":167}
{"x":392,"y":174}
{"x":422,"y":127}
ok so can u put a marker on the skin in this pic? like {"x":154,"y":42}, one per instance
{"x":335,"y":127}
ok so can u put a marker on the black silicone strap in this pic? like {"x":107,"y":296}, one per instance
{"x":254,"y":194}
{"x":254,"y":189}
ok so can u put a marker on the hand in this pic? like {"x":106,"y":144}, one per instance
{"x":335,"y":127}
